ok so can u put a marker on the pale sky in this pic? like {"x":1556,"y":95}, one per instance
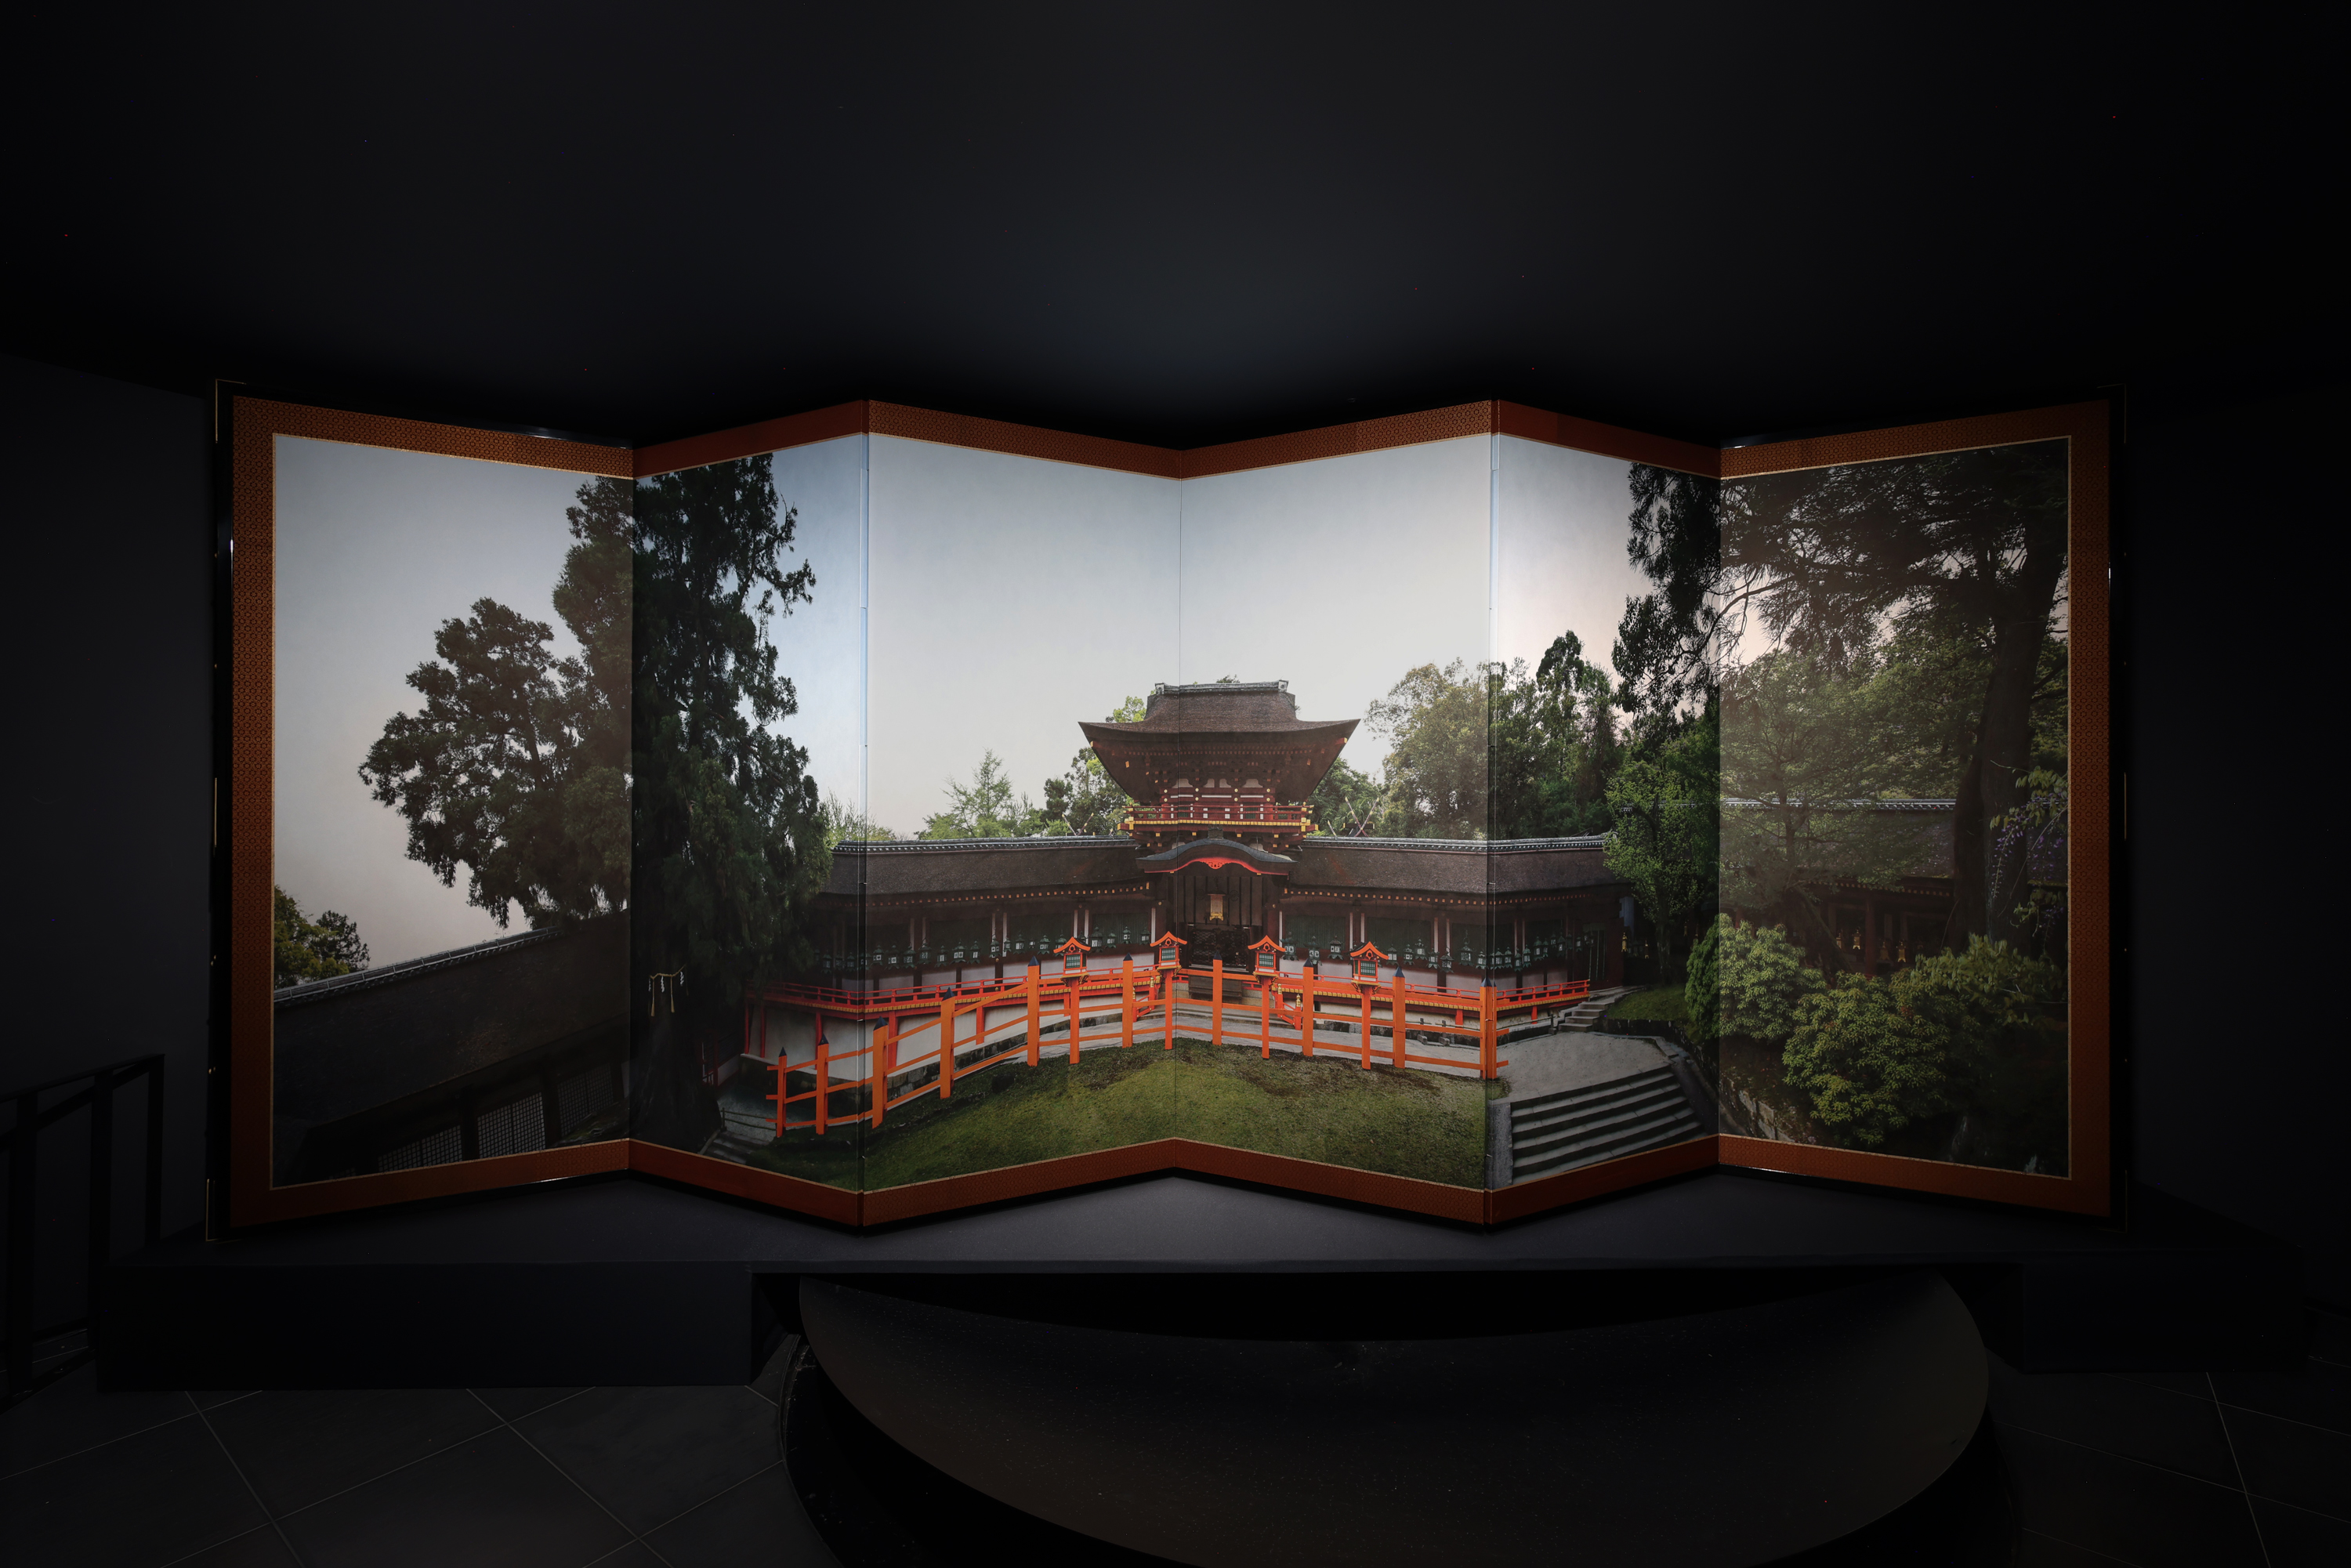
{"x":1564,"y":518}
{"x":374,"y":551}
{"x":1013,"y":597}
{"x":1010,"y":598}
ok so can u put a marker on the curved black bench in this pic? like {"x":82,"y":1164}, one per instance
{"x":955,"y":1418}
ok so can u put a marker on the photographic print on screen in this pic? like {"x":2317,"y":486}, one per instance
{"x":450,"y":810}
{"x":1889,"y":645}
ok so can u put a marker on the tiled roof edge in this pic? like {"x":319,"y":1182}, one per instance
{"x":408,"y":968}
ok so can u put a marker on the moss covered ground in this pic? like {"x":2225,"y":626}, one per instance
{"x":1663,"y":1004}
{"x":1425,"y":1125}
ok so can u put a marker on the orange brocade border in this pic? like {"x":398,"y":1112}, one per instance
{"x":977,"y":434}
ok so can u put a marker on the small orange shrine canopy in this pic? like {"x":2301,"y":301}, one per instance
{"x":1368,"y":960}
{"x":1168,"y":946}
{"x":1268,"y":951}
{"x":1073,"y":954}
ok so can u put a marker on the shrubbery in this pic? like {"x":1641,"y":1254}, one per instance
{"x":1877,"y":1055}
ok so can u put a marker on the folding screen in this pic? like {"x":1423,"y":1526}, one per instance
{"x":1469,"y":811}
{"x":428,"y":832}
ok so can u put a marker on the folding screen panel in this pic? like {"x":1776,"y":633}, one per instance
{"x":1601,"y":809}
{"x":429,"y":829}
{"x":1909,"y":974}
{"x":749,"y":943}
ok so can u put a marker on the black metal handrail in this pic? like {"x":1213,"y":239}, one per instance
{"x":22,"y":1142}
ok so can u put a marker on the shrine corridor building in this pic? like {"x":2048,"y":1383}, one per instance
{"x":1219,"y":851}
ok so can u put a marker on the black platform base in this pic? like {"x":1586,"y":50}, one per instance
{"x":626,"y":1281}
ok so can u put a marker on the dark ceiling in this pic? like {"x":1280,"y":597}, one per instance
{"x":1173,"y":224}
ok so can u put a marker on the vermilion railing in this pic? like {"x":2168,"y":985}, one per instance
{"x":1183,"y":813}
{"x":1145,"y":1001}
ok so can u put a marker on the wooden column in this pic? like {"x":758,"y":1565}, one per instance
{"x":946,"y":1045}
{"x":1077,"y":1020}
{"x":1363,"y":1001}
{"x":1216,"y":1002}
{"x":1395,"y":1016}
{"x":1125,"y":1004}
{"x":1170,"y":976}
{"x":823,"y":1081}
{"x":1307,"y":984}
{"x":1265,"y":1020}
{"x":885,"y":1048}
{"x":1486,"y":1068}
{"x":1036,"y":1040}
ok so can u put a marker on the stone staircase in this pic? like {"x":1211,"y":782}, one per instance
{"x":1586,"y":1013}
{"x":746,"y":1120}
{"x":1559,"y":1131}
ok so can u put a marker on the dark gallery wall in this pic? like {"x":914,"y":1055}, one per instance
{"x":108,"y":779}
{"x":2233,"y":506}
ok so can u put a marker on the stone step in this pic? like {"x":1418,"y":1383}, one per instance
{"x":1591,"y":1093}
{"x":1575,"y":1134}
{"x":1572,"y":1157}
{"x":1549,"y":1118}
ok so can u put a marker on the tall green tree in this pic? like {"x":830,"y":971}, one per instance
{"x":731,"y":844}
{"x":516,"y":764}
{"x":1435,"y":721}
{"x":1083,"y":800}
{"x":986,"y":808}
{"x":307,"y":949}
{"x":1551,"y":745}
{"x":1823,"y":559}
{"x":1347,"y":801}
{"x":1808,"y":750}
{"x":1664,"y":842}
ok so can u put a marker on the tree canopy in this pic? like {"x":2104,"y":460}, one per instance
{"x":986,"y":808}
{"x":1964,"y":549}
{"x":1083,"y":800}
{"x":731,"y":838}
{"x":307,"y":949}
{"x":516,"y":764}
{"x":1663,"y":804}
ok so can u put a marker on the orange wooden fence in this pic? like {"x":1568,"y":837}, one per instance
{"x":1145,"y":1000}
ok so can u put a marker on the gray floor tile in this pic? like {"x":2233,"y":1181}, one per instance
{"x":71,"y":1415}
{"x":263,"y":1548}
{"x":769,"y":1383}
{"x":514,"y":1403}
{"x":2308,"y":1466}
{"x":760,"y":1520}
{"x":144,"y":1500}
{"x":2330,"y":1337}
{"x":634,"y":1555}
{"x":2038,"y":1551}
{"x":2319,"y":1394}
{"x":2137,"y":1420}
{"x":2149,"y":1517}
{"x":299,"y":1445}
{"x":2298,"y":1538}
{"x":490,"y":1502}
{"x":2192,"y":1383}
{"x":206,"y":1398}
{"x":650,"y":1454}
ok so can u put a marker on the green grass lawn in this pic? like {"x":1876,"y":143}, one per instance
{"x":1427,"y":1125}
{"x":1662,"y":1004}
